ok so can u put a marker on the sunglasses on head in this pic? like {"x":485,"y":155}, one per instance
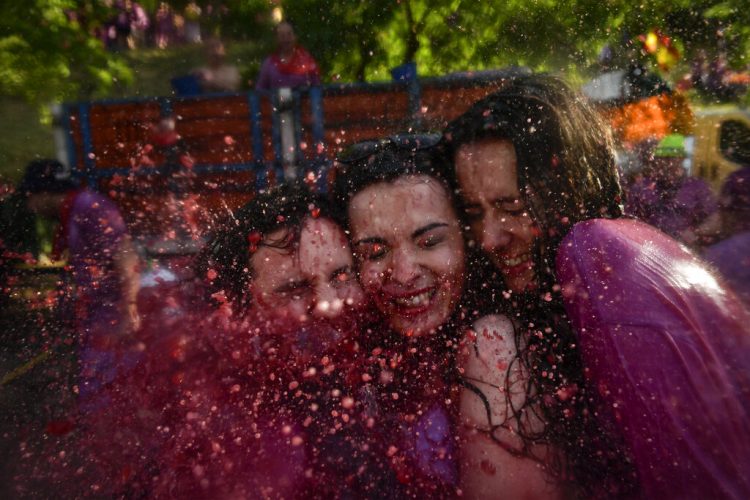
{"x":402,"y":142}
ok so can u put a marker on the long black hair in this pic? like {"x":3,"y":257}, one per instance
{"x":566,"y":174}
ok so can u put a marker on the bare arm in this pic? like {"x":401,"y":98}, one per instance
{"x":492,"y":455}
{"x":127,"y":268}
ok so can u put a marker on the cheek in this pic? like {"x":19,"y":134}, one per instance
{"x":529,"y":230}
{"x":293,"y":310}
{"x":476,"y":228}
{"x":449,"y":265}
{"x":352,"y":293}
{"x":454,"y":279}
{"x":371,"y":275}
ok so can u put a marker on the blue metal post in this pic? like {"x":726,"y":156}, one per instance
{"x":71,"y":145}
{"x":276,"y":163}
{"x":89,"y":162}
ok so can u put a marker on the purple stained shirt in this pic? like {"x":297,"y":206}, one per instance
{"x":430,"y":442}
{"x":270,"y":77}
{"x":731,"y":257}
{"x":95,"y":232}
{"x":668,"y":349}
{"x":672,"y":211}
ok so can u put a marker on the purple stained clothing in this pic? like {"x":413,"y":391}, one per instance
{"x":430,"y":442}
{"x":731,"y":257}
{"x":271,"y":77}
{"x":668,"y":350}
{"x":95,"y":233}
{"x":672,"y":210}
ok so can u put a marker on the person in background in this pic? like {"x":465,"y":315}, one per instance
{"x":218,"y":75}
{"x":731,"y":255}
{"x":164,"y":26}
{"x":665,"y":196}
{"x":290,"y":65}
{"x":193,"y":23}
{"x":640,"y":357}
{"x":104,"y":267}
{"x":141,"y":23}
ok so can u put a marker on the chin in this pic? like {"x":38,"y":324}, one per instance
{"x":419,"y":328}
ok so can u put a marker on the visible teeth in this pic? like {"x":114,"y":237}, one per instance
{"x":516,"y":261}
{"x":416,"y":300}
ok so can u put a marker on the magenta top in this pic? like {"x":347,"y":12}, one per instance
{"x":731,"y":257}
{"x":95,"y":232}
{"x":300,"y":70}
{"x":671,"y":347}
{"x":685,"y":206}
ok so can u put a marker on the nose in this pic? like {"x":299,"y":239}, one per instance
{"x":404,"y":267}
{"x":496,"y":233}
{"x":326,"y":303}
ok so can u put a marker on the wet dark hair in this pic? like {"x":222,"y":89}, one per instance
{"x":383,"y":160}
{"x":565,"y":153}
{"x":566,"y":174}
{"x":224,"y":264}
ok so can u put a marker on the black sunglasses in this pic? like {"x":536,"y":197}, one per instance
{"x":403,"y":142}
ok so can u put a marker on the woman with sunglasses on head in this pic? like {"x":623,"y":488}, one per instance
{"x":638,"y":356}
{"x":412,"y":263}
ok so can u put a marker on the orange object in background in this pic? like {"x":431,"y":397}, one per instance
{"x":651,"y":118}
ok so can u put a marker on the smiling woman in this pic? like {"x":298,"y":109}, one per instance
{"x":411,"y":257}
{"x":410,"y":250}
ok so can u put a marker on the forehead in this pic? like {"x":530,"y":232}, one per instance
{"x":322,"y":244}
{"x":400,"y":207}
{"x":487,"y":168}
{"x":322,"y":247}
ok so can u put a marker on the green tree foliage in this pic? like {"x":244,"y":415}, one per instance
{"x":362,"y":40}
{"x":48,"y":51}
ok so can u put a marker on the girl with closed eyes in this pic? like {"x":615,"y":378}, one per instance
{"x":434,"y":349}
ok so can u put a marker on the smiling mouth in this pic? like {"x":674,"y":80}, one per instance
{"x":415,"y":300}
{"x":521,"y":259}
{"x":414,"y":303}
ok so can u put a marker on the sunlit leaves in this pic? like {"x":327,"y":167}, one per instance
{"x":48,"y":51}
{"x":363,"y":40}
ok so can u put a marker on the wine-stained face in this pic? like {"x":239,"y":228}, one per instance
{"x":500,"y":221}
{"x":408,"y":244}
{"x":307,"y":287}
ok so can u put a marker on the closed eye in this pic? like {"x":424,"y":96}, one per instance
{"x":371,"y":250}
{"x":293,"y":289}
{"x":431,"y":240}
{"x":473,"y":212}
{"x":511,"y":207}
{"x":341,"y":276}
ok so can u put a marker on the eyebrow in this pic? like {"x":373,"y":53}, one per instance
{"x":291,"y":285}
{"x":416,"y":234}
{"x":500,"y":199}
{"x":371,"y":239}
{"x":508,"y":199}
{"x":429,"y":227}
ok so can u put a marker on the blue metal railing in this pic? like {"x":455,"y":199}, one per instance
{"x":90,"y":168}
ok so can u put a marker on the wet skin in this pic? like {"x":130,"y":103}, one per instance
{"x":310,"y":287}
{"x":410,"y":252}
{"x":499,"y":219}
